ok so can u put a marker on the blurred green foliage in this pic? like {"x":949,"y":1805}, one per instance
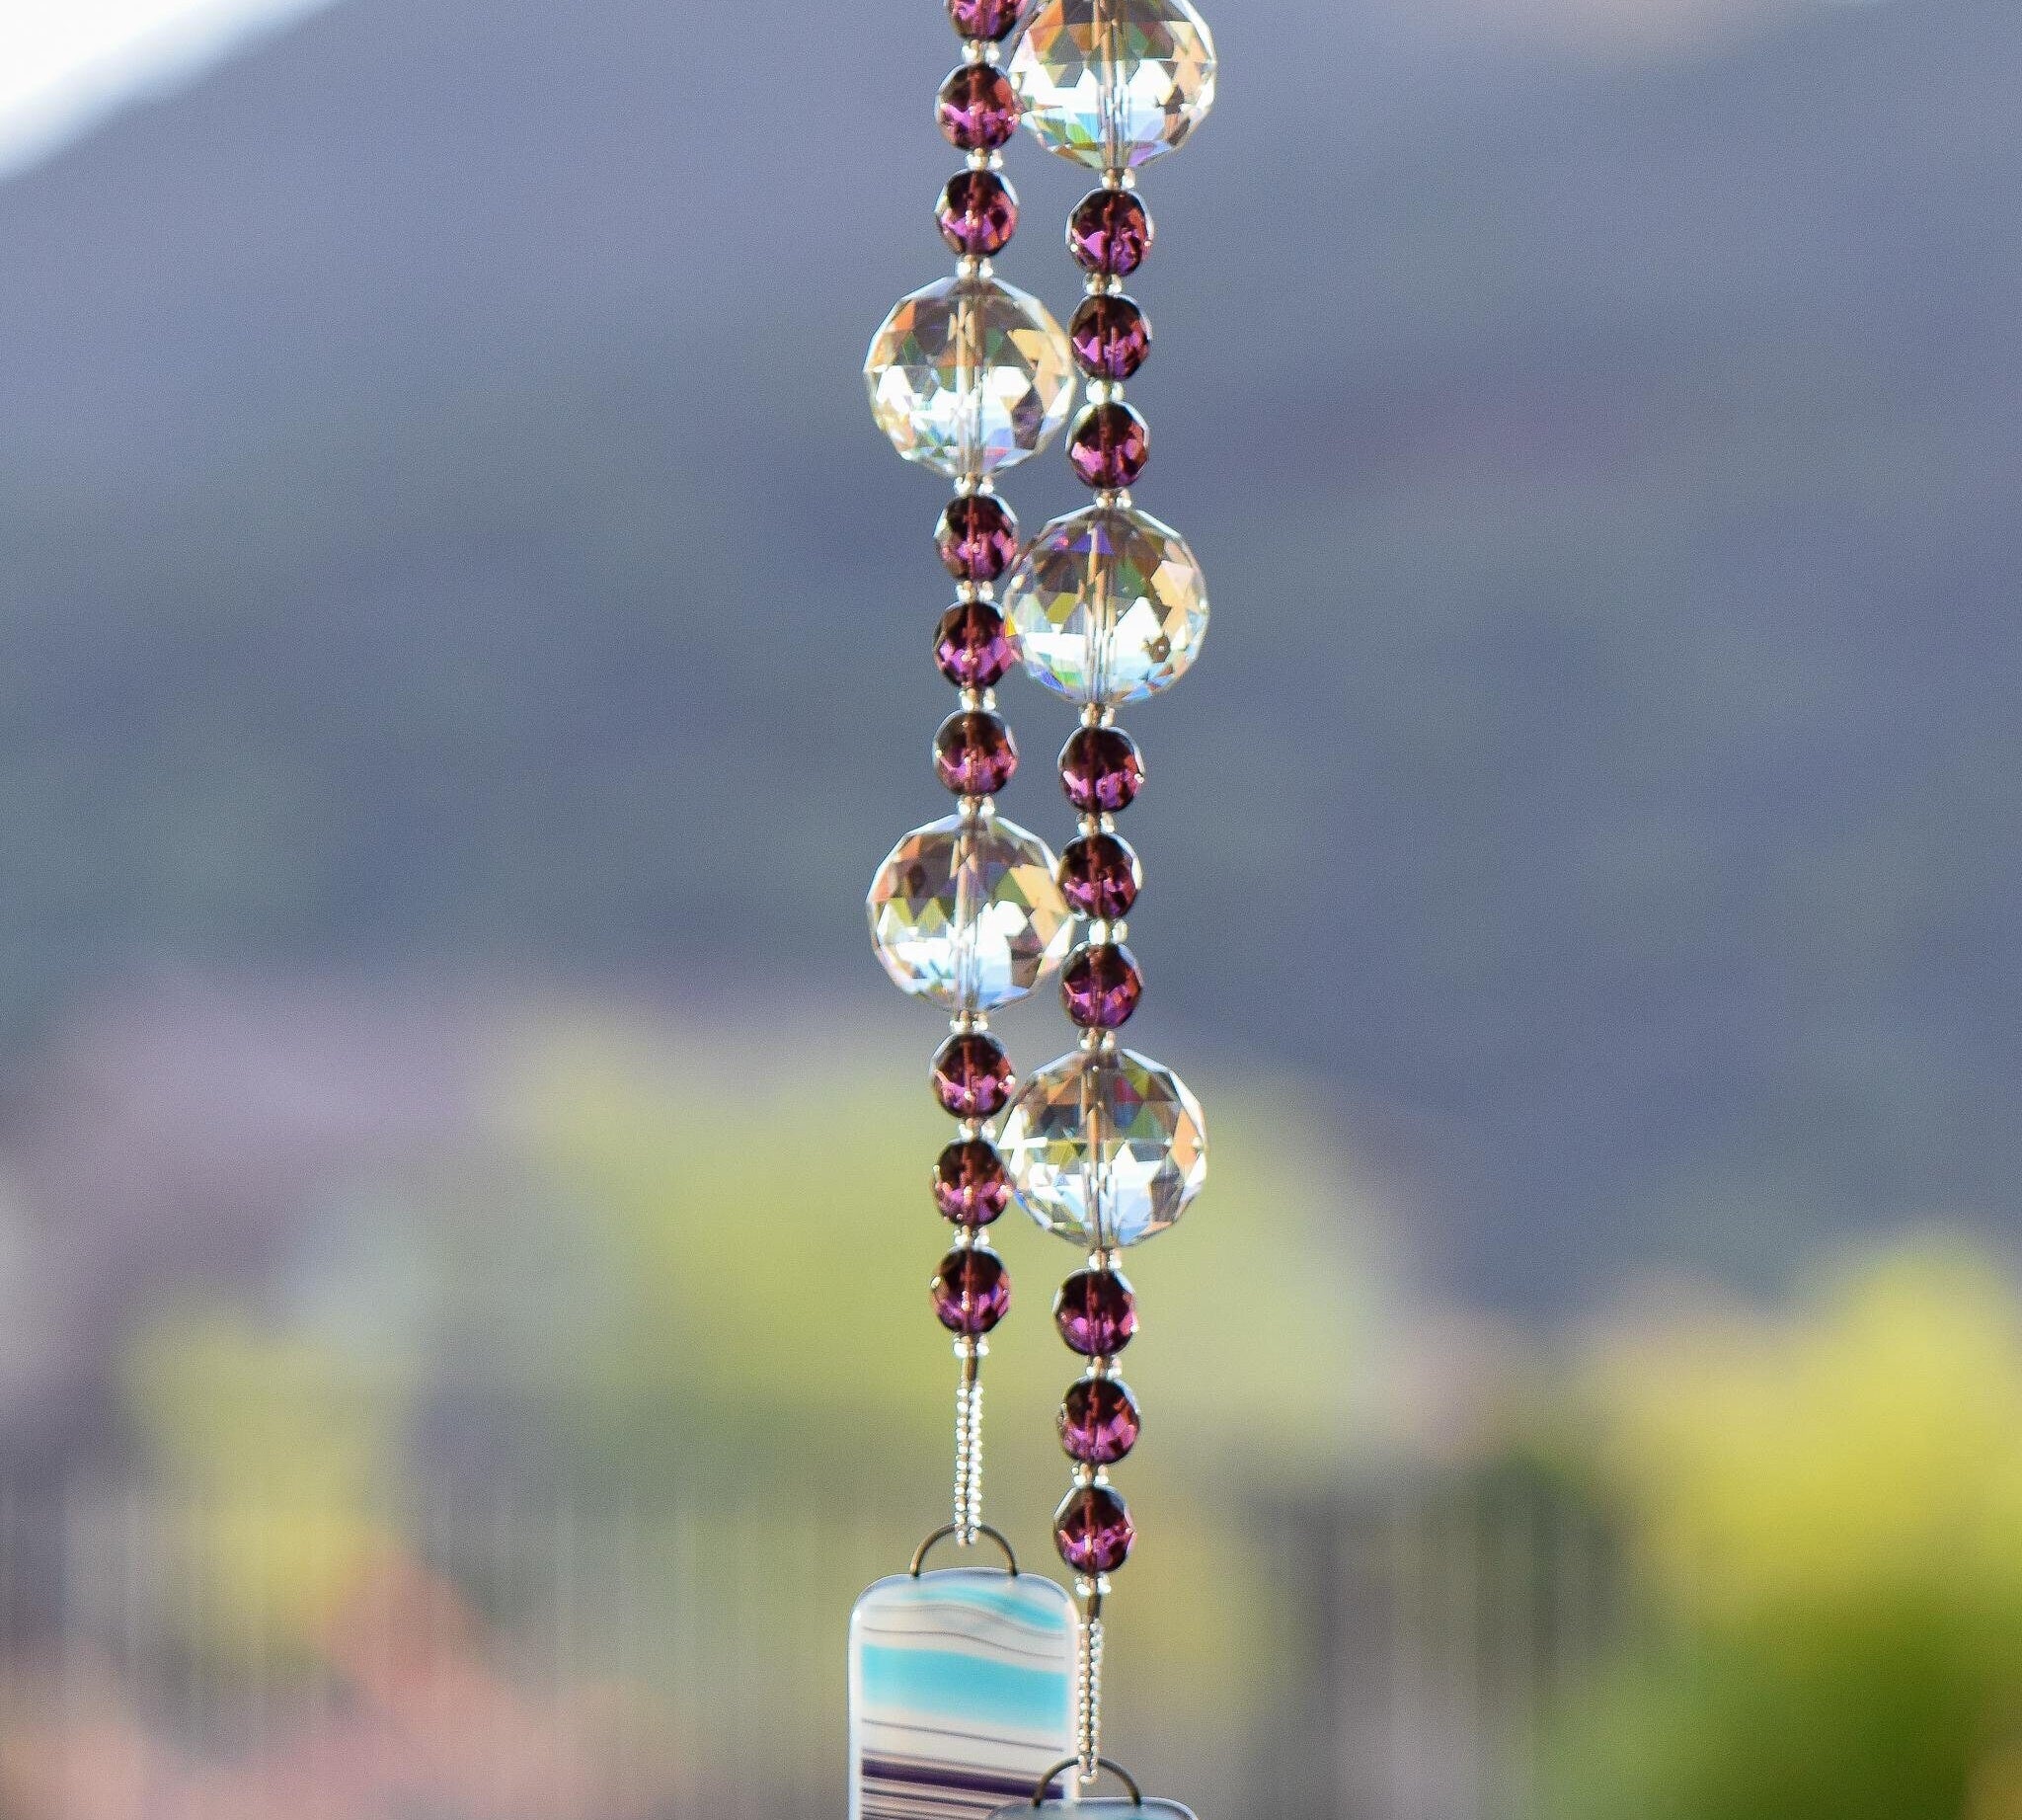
{"x":678,"y":1297}
{"x":1827,"y":1516}
{"x":766,"y":1240}
{"x":280,"y":1468}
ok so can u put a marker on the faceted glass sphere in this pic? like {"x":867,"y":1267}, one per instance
{"x":1113,"y":84}
{"x":967,"y":914}
{"x":970,"y":375}
{"x":1108,"y":606}
{"x":1104,"y":1149}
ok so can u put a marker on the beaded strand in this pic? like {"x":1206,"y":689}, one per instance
{"x":963,"y":912}
{"x":1107,"y":609}
{"x":975,"y":753}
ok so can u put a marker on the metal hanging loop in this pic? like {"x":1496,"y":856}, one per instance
{"x":1124,"y":1775}
{"x":919,"y":1559}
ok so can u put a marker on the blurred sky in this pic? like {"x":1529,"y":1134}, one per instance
{"x":1630,"y":477}
{"x":64,"y":65}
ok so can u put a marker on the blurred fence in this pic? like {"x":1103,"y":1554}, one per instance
{"x":604,"y":1659}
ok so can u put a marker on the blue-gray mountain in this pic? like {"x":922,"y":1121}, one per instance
{"x":441,"y":519}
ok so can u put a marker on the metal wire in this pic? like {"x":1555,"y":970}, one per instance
{"x":945,"y":1531}
{"x":1044,"y":1791}
{"x":1088,"y":1690}
{"x":968,"y":1444}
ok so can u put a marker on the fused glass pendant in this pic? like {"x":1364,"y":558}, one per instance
{"x":961,"y":1693}
{"x":1105,"y":1808}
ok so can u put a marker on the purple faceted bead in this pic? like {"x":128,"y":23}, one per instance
{"x":1108,"y":446}
{"x":977,"y":213}
{"x":1100,"y":876}
{"x":989,"y":20}
{"x":971,"y":1075}
{"x":1096,"y":1312}
{"x":1093,"y":1531}
{"x":1111,"y":337}
{"x":972,"y":1290}
{"x":1101,"y":769}
{"x":1099,"y":1421}
{"x":1101,"y":987}
{"x":975,"y":753}
{"x":977,"y":537}
{"x":1109,"y":233}
{"x":971,"y":648}
{"x":977,"y":107}
{"x":969,"y":1185}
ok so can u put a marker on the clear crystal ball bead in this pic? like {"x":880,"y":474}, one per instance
{"x":1108,"y":606}
{"x":970,"y":375}
{"x":1114,"y":83}
{"x":967,"y":913}
{"x":1107,"y":1149}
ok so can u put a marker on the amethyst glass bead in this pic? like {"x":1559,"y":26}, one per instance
{"x":1101,"y":985}
{"x":977,"y":537}
{"x":1109,"y":233}
{"x":985,"y":19}
{"x":1098,"y":1422}
{"x":1101,"y":769}
{"x":1093,"y":1531}
{"x":1096,"y":1312}
{"x":1100,"y":876}
{"x":1108,"y":446}
{"x":977,"y":213}
{"x":972,"y":1290}
{"x":978,"y":109}
{"x":975,"y":753}
{"x":971,"y":1075}
{"x":1111,"y":337}
{"x":971,"y":648}
{"x":969,"y":1185}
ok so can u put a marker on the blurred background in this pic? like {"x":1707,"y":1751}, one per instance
{"x":463,"y":1342}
